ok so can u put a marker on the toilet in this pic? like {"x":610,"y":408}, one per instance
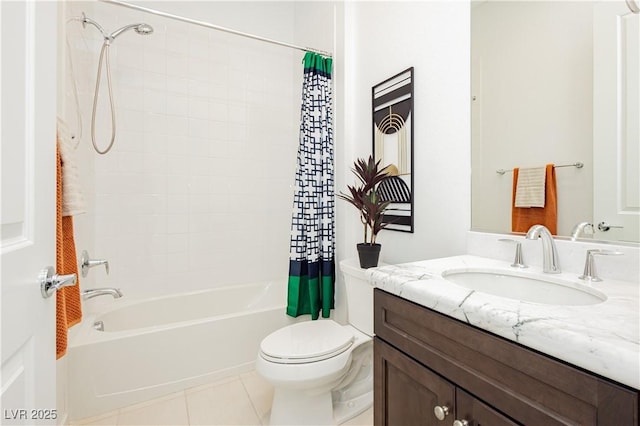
{"x":321,"y":371}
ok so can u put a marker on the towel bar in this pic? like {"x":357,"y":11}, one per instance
{"x":577,"y":165}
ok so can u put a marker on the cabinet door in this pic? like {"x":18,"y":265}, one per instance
{"x":477,"y":413}
{"x":406,"y":392}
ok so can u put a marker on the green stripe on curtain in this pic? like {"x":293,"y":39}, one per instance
{"x":312,"y":250}
{"x":317,"y":63}
{"x":311,"y":288}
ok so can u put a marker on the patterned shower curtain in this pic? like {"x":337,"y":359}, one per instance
{"x":311,"y":256}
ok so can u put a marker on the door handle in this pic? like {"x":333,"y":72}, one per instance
{"x":604,"y":226}
{"x":50,"y":282}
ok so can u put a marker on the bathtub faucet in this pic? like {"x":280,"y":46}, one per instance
{"x":95,"y":292}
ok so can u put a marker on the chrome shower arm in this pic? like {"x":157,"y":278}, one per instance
{"x":86,"y":21}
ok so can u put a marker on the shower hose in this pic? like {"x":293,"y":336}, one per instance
{"x":104,"y":55}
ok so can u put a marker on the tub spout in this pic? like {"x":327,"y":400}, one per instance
{"x":95,"y":292}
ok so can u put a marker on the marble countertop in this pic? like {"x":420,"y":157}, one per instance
{"x":603,"y":338}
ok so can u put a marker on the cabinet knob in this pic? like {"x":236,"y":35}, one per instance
{"x":460,"y":423}
{"x":441,"y":411}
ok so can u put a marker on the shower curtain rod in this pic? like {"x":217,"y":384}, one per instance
{"x":214,"y":27}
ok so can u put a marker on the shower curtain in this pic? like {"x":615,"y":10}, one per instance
{"x":311,"y":256}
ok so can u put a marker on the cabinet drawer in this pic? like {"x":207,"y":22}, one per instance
{"x":519,"y":382}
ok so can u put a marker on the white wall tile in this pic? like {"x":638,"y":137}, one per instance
{"x":155,"y":60}
{"x":204,"y":156}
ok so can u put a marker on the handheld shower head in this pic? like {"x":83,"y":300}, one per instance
{"x":143,"y":29}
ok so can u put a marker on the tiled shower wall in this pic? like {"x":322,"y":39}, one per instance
{"x":197,"y":190}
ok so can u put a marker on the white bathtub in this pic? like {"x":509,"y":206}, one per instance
{"x":157,"y":346}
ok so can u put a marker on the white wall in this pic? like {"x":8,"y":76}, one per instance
{"x":532,"y":78}
{"x":382,"y":39}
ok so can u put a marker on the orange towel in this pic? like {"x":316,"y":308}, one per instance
{"x":524,"y":218}
{"x":68,"y":306}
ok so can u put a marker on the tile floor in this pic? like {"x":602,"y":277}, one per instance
{"x":239,"y":400}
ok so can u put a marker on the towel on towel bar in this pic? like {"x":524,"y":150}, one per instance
{"x":524,"y":218}
{"x":530,"y":187}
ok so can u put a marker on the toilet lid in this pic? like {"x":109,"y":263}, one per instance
{"x":306,"y":342}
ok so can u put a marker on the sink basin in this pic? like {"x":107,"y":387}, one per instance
{"x":521,"y":286}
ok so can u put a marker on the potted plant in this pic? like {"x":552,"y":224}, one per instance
{"x":364,"y":197}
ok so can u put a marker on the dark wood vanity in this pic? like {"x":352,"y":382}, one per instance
{"x":428,"y":365}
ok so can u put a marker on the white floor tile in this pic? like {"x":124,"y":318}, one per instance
{"x":225,"y":404}
{"x":239,"y":400}
{"x":108,"y":419}
{"x":260,"y":393}
{"x":364,"y":419}
{"x":164,"y":412}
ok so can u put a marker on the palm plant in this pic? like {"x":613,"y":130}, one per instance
{"x":364,"y":197}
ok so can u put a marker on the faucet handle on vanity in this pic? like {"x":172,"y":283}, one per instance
{"x":517,"y":261}
{"x":86,"y":262}
{"x":590,"y":273}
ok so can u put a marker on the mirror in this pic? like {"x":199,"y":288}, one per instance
{"x":544,"y":89}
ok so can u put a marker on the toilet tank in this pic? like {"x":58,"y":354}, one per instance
{"x":359,"y":296}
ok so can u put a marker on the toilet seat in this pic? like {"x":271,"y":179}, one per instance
{"x":306,"y":342}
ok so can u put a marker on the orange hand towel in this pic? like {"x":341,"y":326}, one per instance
{"x":524,"y":218}
{"x":68,"y":306}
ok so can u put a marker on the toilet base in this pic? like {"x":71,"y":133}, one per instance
{"x":351,"y":396}
{"x":356,"y":396}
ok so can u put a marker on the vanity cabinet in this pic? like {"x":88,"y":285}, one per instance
{"x":424,"y":359}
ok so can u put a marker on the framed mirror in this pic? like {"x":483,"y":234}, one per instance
{"x":392,"y":112}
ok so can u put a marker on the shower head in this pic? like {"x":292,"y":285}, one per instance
{"x":143,"y":29}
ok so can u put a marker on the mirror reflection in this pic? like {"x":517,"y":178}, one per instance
{"x":557,"y":83}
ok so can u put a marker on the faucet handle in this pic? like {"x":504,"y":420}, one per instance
{"x":517,"y":261}
{"x":86,"y":262}
{"x":590,"y":273}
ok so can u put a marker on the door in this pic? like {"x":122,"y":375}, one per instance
{"x":27,"y":151}
{"x":616,"y":122}
{"x":406,"y":392}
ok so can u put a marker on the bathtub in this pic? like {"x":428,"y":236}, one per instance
{"x":157,"y":346}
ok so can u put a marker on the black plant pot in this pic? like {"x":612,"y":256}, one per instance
{"x":369,"y":255}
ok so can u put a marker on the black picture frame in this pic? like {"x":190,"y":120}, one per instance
{"x":392,"y":133}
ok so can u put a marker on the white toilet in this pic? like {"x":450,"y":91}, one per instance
{"x":322,"y":372}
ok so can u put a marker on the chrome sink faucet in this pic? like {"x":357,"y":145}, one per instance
{"x":95,"y":292}
{"x":550,"y":260}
